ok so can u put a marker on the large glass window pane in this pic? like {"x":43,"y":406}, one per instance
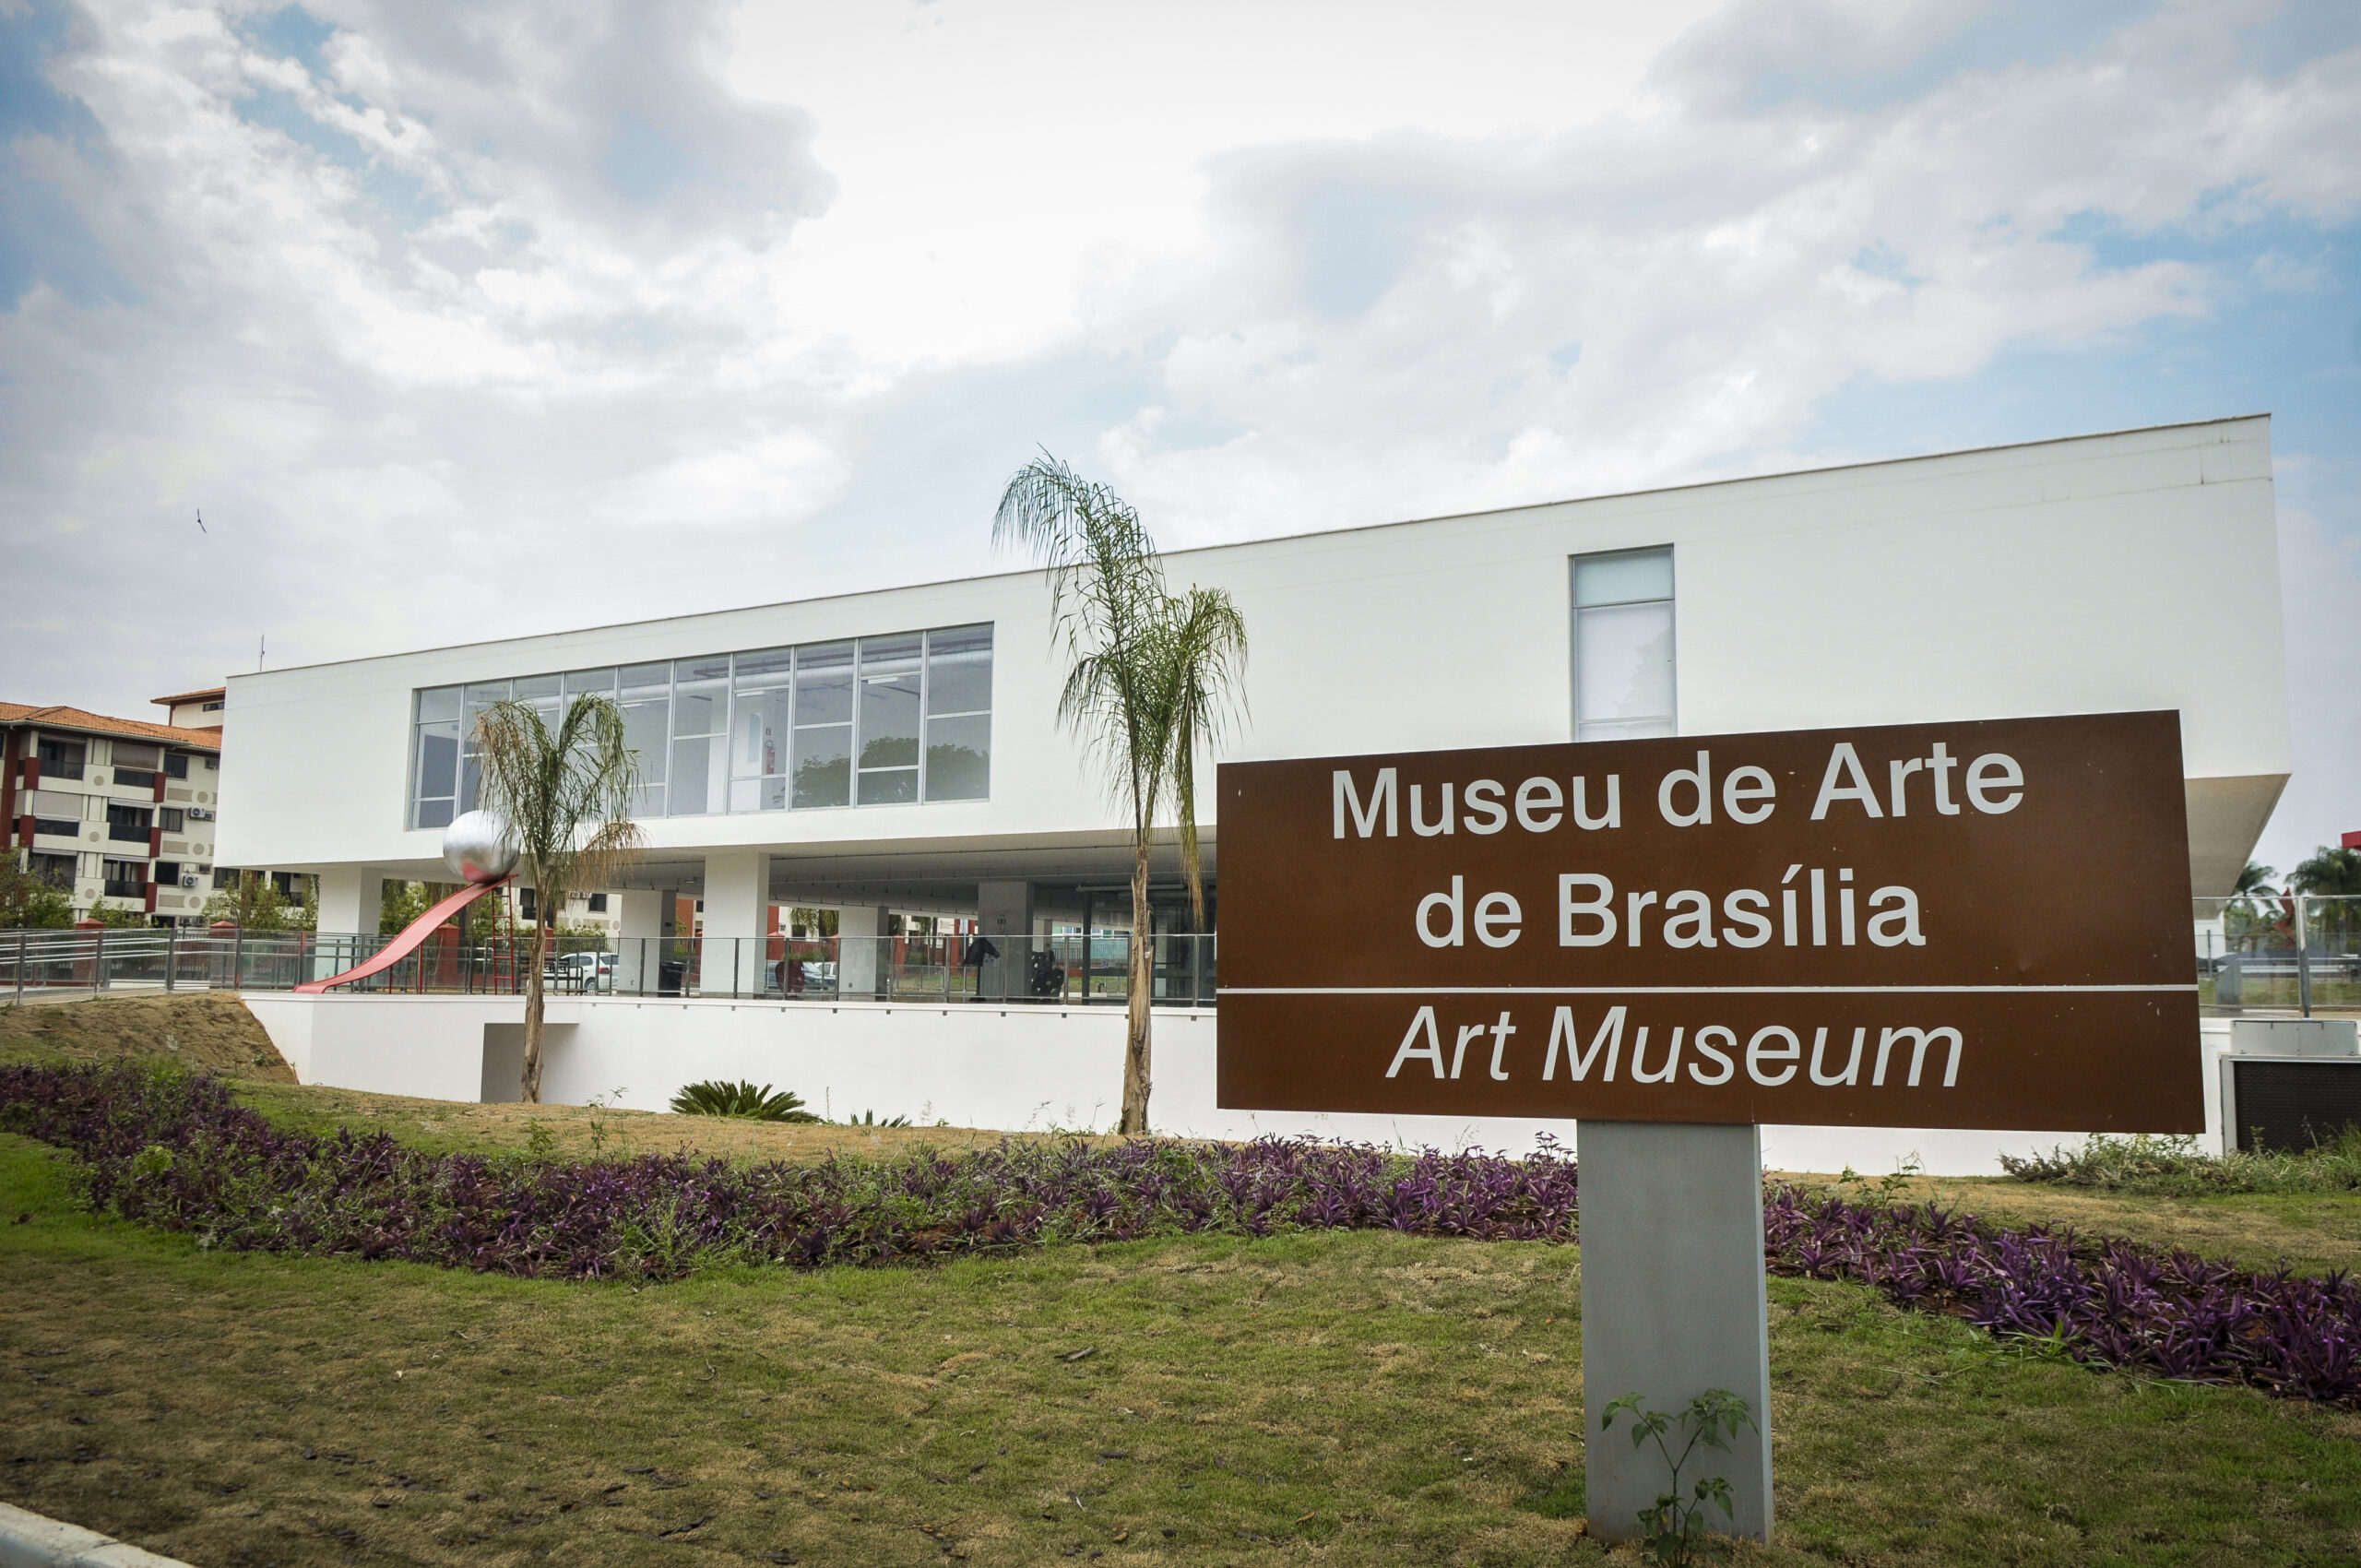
{"x":700,"y":698}
{"x":759,"y":735}
{"x":823,"y":765}
{"x":438,"y":704}
{"x":888,"y":786}
{"x":438,"y":761}
{"x":822,"y":772}
{"x":435,"y":814}
{"x":647,"y":722}
{"x":639,"y":679}
{"x":959,"y":670}
{"x":1627,"y":576}
{"x":888,"y":721}
{"x":646,"y":693}
{"x":823,"y":683}
{"x":599,"y":683}
{"x":545,"y":694}
{"x":480,"y":695}
{"x":958,"y":757}
{"x":700,"y":781}
{"x":1625,"y":671}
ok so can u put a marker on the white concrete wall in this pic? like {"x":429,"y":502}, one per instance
{"x":1014,"y":1068}
{"x":2129,"y":571}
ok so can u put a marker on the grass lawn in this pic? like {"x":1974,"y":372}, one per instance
{"x":1340,"y":1397}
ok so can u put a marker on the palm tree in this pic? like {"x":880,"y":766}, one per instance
{"x":1151,"y":677}
{"x":2331,"y":873}
{"x":566,"y":799}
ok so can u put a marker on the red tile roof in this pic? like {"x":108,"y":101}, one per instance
{"x":99,"y":724}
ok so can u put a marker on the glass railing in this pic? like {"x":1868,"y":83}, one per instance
{"x":1043,"y":971}
{"x":2276,"y":952}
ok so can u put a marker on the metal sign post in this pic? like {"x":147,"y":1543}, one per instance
{"x":1674,"y":942}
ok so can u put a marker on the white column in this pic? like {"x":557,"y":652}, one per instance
{"x":1673,"y":1304}
{"x":639,"y":943}
{"x":859,"y":963}
{"x":351,"y":897}
{"x":737,"y":903}
{"x":1005,"y":913}
{"x":350,"y":900}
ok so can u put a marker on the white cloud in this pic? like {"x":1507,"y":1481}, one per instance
{"x":466,"y":319}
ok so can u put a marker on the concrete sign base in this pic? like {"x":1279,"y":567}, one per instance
{"x":1673,"y":1304}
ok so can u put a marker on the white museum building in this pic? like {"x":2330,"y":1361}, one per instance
{"x":895,"y":755}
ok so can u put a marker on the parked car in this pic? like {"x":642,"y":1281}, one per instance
{"x":582,"y":971}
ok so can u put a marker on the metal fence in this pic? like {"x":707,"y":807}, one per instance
{"x":2279,"y":952}
{"x":1042,"y":971}
{"x":2269,"y":953}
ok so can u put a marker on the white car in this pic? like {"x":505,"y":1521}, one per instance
{"x":582,"y":971}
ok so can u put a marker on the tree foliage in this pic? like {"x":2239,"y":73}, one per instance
{"x":1151,"y":678}
{"x":565,"y":796}
{"x":29,"y":902}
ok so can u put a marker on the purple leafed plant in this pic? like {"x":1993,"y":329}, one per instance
{"x":2105,"y":1301}
{"x":175,"y":1150}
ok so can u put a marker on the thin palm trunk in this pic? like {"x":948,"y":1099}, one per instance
{"x":532,"y":1080}
{"x":1142,"y":968}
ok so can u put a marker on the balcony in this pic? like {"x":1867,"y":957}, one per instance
{"x":133,"y":890}
{"x":134,"y":779}
{"x":127,"y":832}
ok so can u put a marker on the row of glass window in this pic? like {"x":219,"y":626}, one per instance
{"x":864,"y":721}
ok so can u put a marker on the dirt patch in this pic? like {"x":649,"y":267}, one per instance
{"x":208,"y":1029}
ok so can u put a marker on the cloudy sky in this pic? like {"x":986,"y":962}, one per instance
{"x":456,"y":318}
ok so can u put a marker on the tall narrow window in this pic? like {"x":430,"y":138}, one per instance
{"x":823,"y":760}
{"x":1623,"y":645}
{"x":480,"y":699}
{"x":958,"y":713}
{"x":761,"y":699}
{"x":435,"y":759}
{"x":646,"y":693}
{"x":888,"y":719}
{"x":700,"y":779}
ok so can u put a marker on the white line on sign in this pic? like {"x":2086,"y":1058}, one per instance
{"x":1663,"y":990}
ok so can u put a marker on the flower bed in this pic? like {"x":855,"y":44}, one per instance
{"x":176,"y":1151}
{"x":2108,"y":1303}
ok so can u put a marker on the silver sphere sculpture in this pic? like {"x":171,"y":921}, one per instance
{"x":477,"y":847}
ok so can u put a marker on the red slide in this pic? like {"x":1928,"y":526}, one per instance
{"x":412,"y":934}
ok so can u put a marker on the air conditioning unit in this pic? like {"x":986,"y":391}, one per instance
{"x":200,"y":814}
{"x":188,"y":879}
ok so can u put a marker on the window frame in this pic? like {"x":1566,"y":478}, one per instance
{"x":1574,"y":609}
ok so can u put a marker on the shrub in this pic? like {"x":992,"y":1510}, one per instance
{"x":715,"y":1097}
{"x":869,"y":1118}
{"x":2177,"y":1167}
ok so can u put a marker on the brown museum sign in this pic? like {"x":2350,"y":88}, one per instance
{"x":1926,"y":925}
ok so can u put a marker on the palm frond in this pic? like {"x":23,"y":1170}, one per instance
{"x":566,"y":796}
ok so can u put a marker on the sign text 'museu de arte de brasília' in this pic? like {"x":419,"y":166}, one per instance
{"x":1979,"y":925}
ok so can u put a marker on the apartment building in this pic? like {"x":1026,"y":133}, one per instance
{"x":116,"y":812}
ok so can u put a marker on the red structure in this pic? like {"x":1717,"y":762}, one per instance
{"x":411,"y":936}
